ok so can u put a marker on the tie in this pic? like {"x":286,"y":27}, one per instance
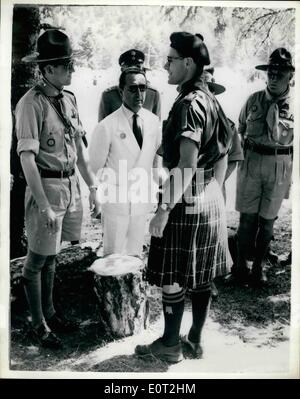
{"x":137,"y":129}
{"x":58,"y":103}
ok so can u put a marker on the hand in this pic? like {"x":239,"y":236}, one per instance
{"x":50,"y":220}
{"x":95,"y":205}
{"x":158,"y":223}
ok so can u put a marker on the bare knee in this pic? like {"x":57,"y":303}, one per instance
{"x":172,"y":289}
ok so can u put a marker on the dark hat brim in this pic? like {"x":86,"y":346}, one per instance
{"x":265,"y":67}
{"x":216,"y":88}
{"x":34,"y":57}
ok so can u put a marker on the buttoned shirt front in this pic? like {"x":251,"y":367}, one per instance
{"x":253,"y":124}
{"x":42,"y":130}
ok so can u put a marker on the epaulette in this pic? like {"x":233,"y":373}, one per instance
{"x":69,"y":92}
{"x":152,"y":89}
{"x":112,"y":88}
{"x":190,"y":97}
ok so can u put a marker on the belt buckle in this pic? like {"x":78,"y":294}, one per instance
{"x":61,"y":174}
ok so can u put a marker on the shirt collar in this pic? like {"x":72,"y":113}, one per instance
{"x":129,"y":113}
{"x":195,"y":83}
{"x":48,"y":88}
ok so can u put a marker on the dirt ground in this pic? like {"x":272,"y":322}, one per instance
{"x":247,"y":330}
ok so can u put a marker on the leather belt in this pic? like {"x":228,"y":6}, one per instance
{"x":56,"y":174}
{"x":263,"y":150}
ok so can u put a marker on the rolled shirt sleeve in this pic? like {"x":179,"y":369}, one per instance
{"x":235,"y":152}
{"x":190,"y":122}
{"x":29,"y":121}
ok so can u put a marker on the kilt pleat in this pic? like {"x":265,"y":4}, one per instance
{"x":194,"y":246}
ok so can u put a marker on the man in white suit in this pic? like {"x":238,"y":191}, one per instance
{"x":122,"y":153}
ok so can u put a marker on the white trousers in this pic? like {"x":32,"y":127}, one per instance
{"x":123,"y":234}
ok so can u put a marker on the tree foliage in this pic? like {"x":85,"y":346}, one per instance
{"x":233,"y":34}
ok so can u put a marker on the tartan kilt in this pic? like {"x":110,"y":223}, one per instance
{"x":194,"y":247}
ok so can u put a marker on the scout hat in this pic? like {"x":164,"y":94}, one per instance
{"x":210,"y":80}
{"x":132,"y":58}
{"x":52,"y":45}
{"x":279,"y":59}
{"x":189,"y":45}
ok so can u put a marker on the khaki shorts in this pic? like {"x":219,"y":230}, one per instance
{"x":262,"y":183}
{"x":65,"y":200}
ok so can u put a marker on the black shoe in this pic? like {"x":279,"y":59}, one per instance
{"x":171,"y":354}
{"x":258,"y":279}
{"x":238,"y":279}
{"x":195,"y":349}
{"x":46,"y":338}
{"x":61,"y":325}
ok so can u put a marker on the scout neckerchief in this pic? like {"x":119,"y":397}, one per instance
{"x":273,"y":113}
{"x":55,"y":102}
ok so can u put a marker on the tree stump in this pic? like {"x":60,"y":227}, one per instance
{"x":72,"y":263}
{"x":122,"y":294}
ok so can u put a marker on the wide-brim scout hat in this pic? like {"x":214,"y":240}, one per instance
{"x":210,"y":80}
{"x":279,"y":59}
{"x":52,"y":45}
{"x":133,"y":58}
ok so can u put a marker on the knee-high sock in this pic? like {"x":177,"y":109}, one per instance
{"x":200,"y":306}
{"x":32,"y":285}
{"x":173,"y":307}
{"x":47,"y":278}
{"x":263,"y":239}
{"x":246,"y":234}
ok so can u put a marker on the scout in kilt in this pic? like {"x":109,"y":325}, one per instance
{"x":189,"y":238}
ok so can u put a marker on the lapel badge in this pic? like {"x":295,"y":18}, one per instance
{"x":123,"y":135}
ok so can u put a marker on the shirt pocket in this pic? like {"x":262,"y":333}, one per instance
{"x":256,"y":121}
{"x":52,"y":139}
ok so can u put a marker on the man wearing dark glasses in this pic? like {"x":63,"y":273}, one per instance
{"x":111,"y":98}
{"x":263,"y":179}
{"x":123,"y":151}
{"x":50,"y":146}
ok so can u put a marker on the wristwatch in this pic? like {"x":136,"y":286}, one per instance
{"x":165,"y":207}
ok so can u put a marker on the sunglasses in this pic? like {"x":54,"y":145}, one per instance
{"x":68,"y":65}
{"x":135,"y":88}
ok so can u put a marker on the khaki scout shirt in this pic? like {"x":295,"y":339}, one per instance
{"x":253,"y":125}
{"x":41,"y":130}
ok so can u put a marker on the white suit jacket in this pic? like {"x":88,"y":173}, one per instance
{"x":123,"y":168}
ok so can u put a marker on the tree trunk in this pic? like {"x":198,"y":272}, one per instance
{"x":26,"y":26}
{"x":123,"y":298}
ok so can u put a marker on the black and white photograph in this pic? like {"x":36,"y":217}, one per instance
{"x":150,"y":188}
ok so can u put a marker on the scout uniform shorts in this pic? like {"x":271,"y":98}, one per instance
{"x":262,"y":183}
{"x":65,"y":200}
